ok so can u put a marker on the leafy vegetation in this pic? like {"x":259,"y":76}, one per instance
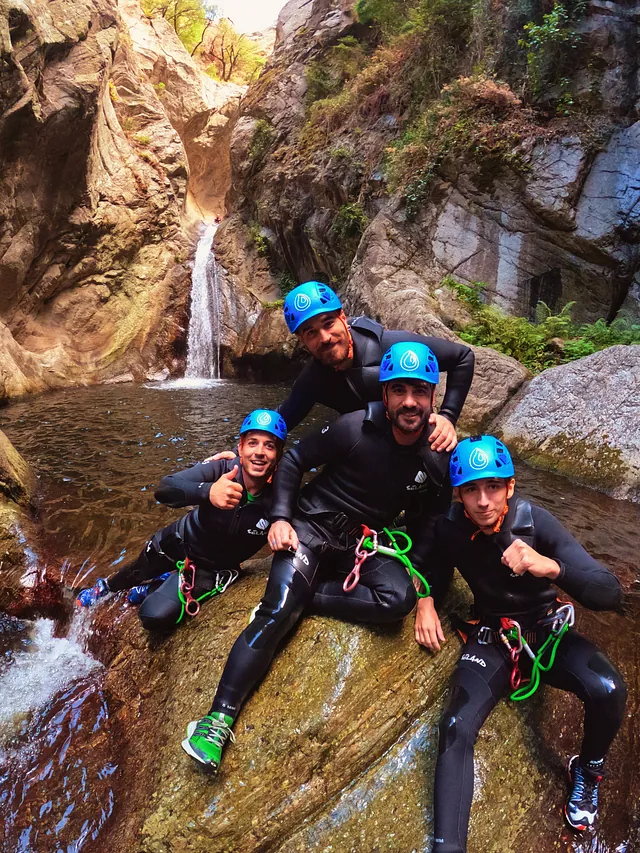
{"x":230,"y":55}
{"x":261,"y":140}
{"x":227,"y":54}
{"x":350,"y":221}
{"x":553,"y":339}
{"x":287,"y":283}
{"x":189,"y":18}
{"x":260,"y":242}
{"x":548,"y":47}
{"x":327,"y":76}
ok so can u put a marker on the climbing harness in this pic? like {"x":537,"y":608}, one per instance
{"x":511,"y":635}
{"x":186,"y":584}
{"x":369,"y":544}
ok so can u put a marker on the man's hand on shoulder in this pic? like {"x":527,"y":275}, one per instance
{"x":225,"y":493}
{"x":282,"y":536}
{"x":223,"y":454}
{"x":521,"y":558}
{"x":428,"y":630}
{"x":444,"y":435}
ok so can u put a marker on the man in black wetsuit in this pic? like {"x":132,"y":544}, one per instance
{"x":229,"y":524}
{"x":343,"y":373}
{"x":376,"y":463}
{"x":510,"y":552}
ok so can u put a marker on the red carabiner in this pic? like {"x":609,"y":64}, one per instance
{"x":353,"y":578}
{"x":191,"y":606}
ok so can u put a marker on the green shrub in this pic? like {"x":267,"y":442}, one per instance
{"x":554,"y":339}
{"x":350,"y":221}
{"x":261,"y":139}
{"x":287,"y":283}
{"x":548,"y":48}
{"x":471,"y":293}
{"x":142,"y":138}
{"x":325,"y":77}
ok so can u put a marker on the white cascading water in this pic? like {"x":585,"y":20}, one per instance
{"x":43,"y":667}
{"x":203,"y":342}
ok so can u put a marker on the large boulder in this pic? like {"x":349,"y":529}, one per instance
{"x":583,"y":420}
{"x":336,"y":749}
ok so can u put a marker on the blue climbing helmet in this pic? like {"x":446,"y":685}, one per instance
{"x":409,"y":361}
{"x":478,"y":457}
{"x":308,"y":300}
{"x":267,"y":421}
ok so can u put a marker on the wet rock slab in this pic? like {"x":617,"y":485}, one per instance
{"x":336,"y":749}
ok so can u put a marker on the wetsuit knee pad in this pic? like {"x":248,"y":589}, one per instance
{"x":609,"y":686}
{"x":454,"y":726}
{"x":161,"y":609}
{"x":288,"y":591}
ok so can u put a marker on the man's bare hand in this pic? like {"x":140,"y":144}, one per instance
{"x":282,"y":536}
{"x":223,"y":454}
{"x":444,"y":435}
{"x":521,"y":558}
{"x":428,"y":630}
{"x":225,"y":493}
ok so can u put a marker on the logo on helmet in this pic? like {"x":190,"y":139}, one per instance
{"x":302,"y":302}
{"x":478,"y":459}
{"x":264,"y":419}
{"x":410,"y":361}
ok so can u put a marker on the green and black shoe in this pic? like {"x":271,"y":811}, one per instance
{"x":206,"y":738}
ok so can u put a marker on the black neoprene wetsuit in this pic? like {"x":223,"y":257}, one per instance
{"x":350,"y":390}
{"x":368,"y":479}
{"x":212,"y":538}
{"x":482,"y":675}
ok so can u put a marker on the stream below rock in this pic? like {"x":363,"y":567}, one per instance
{"x":69,"y":766}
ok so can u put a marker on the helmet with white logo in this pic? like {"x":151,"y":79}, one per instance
{"x":307,"y":301}
{"x":478,"y":457}
{"x":409,"y":361}
{"x":267,"y":421}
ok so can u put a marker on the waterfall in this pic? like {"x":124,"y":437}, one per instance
{"x":203,"y":342}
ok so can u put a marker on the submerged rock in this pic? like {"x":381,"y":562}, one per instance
{"x":583,"y":420}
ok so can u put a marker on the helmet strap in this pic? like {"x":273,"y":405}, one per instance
{"x":496,"y":527}
{"x":348,"y":331}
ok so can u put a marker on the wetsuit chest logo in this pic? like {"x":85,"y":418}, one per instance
{"x":260,"y":529}
{"x":420,"y":480}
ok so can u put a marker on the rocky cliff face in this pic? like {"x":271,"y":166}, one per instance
{"x":101,"y":118}
{"x":554,"y":220}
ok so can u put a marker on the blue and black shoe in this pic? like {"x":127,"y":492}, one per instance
{"x":88,"y":597}
{"x":581,"y":808}
{"x":137,"y":594}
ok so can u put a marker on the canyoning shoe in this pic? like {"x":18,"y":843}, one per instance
{"x":88,"y":597}
{"x":137,"y":594}
{"x":581,"y":808}
{"x":206,"y":738}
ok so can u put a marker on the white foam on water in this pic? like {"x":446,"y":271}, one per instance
{"x":42,"y":669}
{"x":187,"y":383}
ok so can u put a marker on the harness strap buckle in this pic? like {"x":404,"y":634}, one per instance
{"x":484,"y":636}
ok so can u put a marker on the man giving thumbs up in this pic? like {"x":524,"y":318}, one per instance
{"x":198,"y":556}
